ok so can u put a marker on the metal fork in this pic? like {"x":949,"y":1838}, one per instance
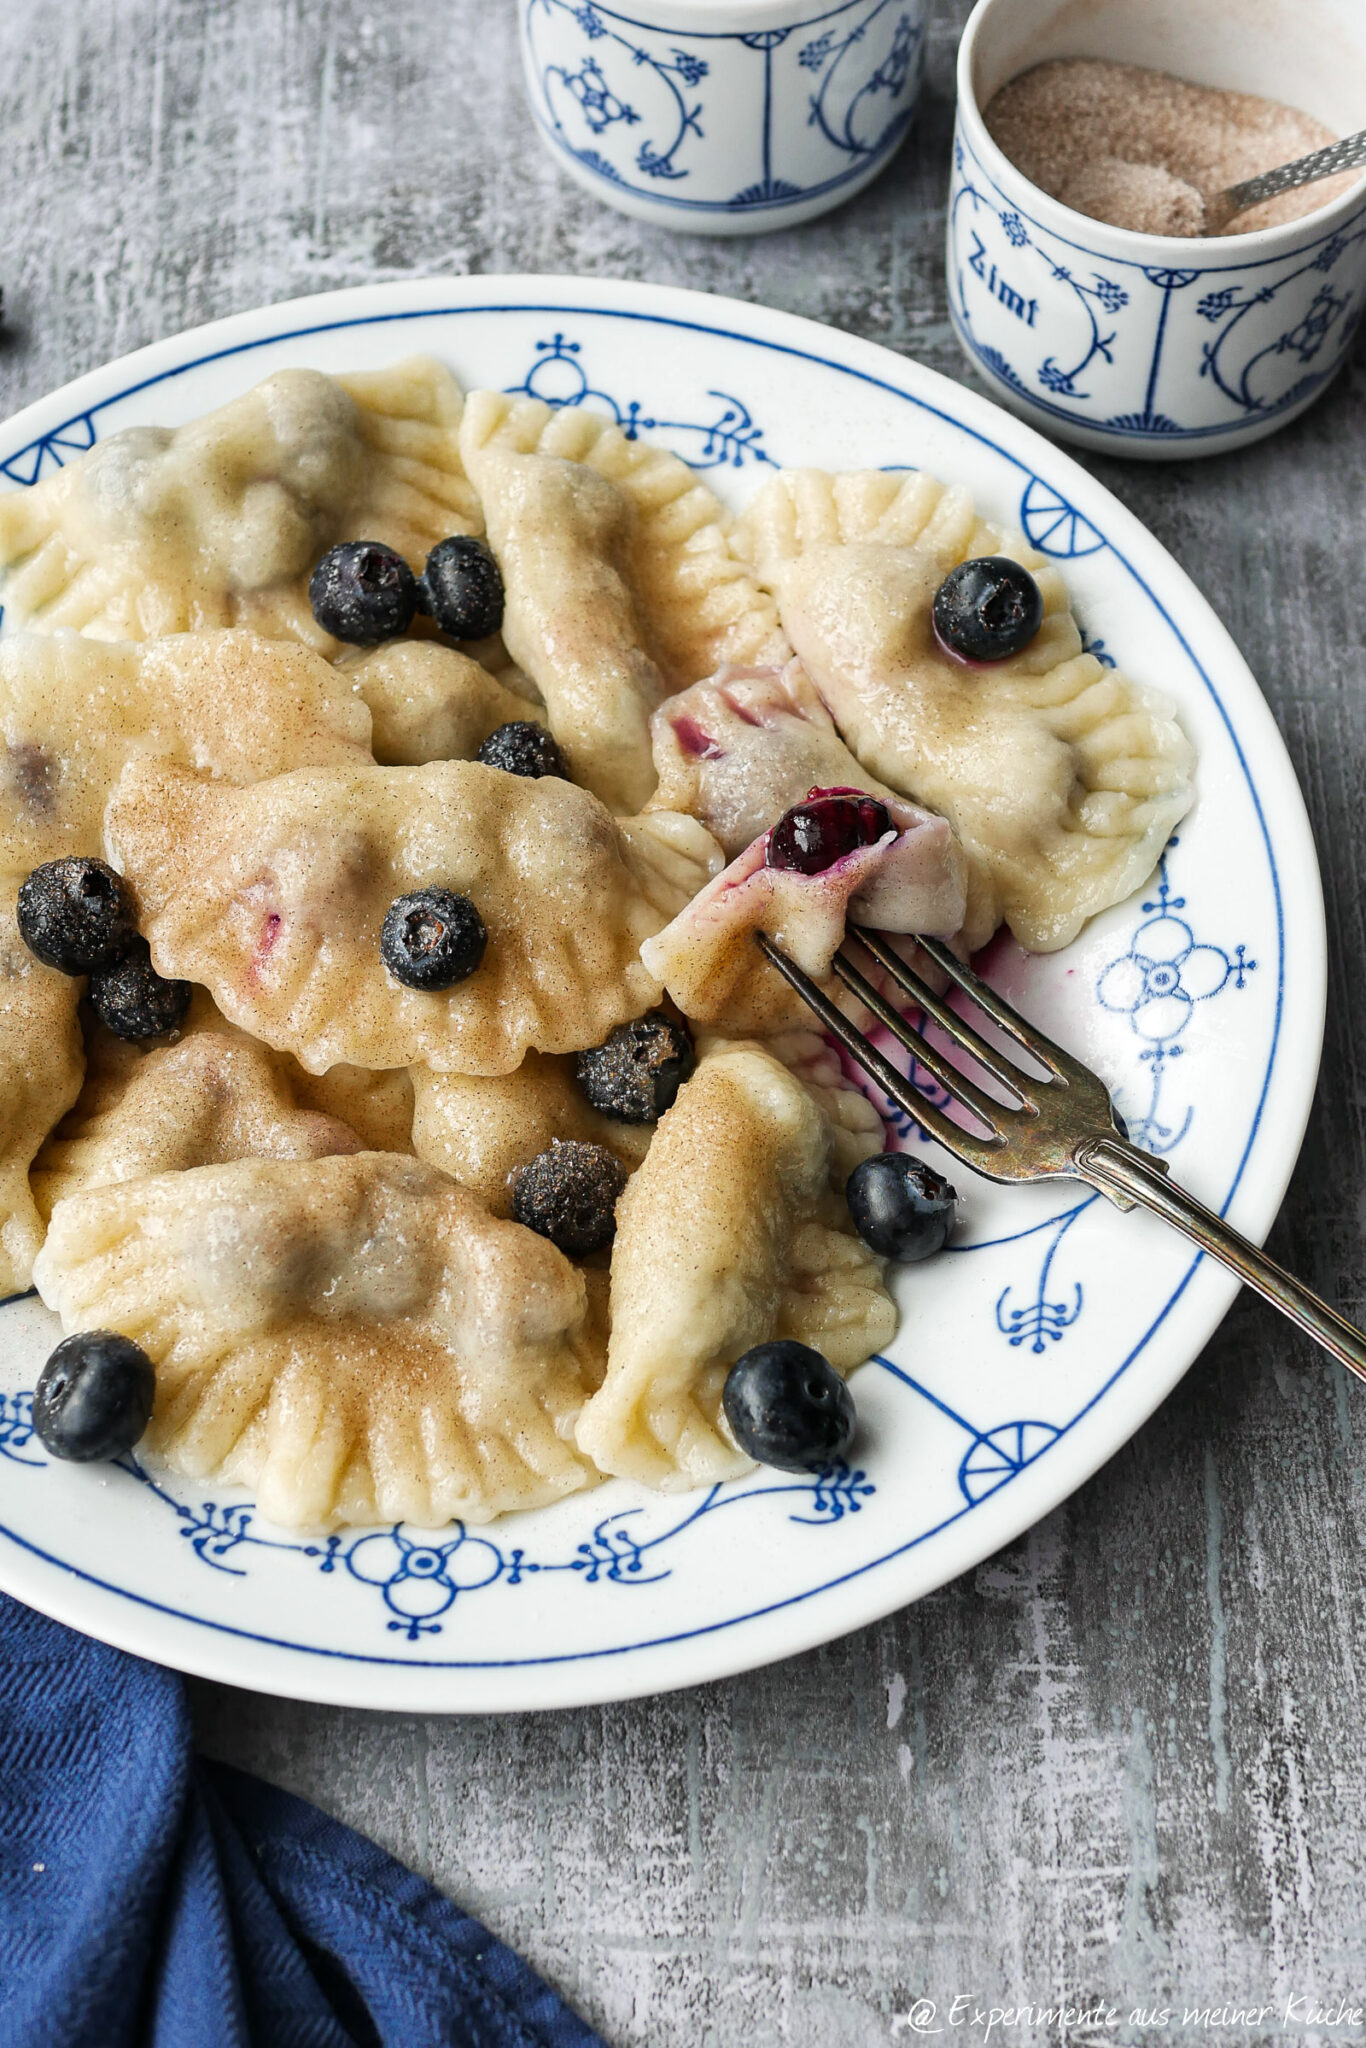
{"x":1061,"y":1125}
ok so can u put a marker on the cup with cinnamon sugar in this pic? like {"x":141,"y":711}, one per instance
{"x":1083,"y":283}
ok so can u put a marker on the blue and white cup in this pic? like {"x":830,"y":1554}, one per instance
{"x":723,"y":117}
{"x":1154,"y":345}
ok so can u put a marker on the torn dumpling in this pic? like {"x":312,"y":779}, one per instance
{"x":696,"y":1283}
{"x":220,"y":522}
{"x":274,"y":897}
{"x":739,"y":749}
{"x":903,"y":872}
{"x":480,"y":1129}
{"x":41,"y":1064}
{"x":620,"y":583}
{"x":74,"y":711}
{"x":1064,"y":781}
{"x":355,"y":1338}
{"x":1062,"y":778}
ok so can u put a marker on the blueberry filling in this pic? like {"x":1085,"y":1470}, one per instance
{"x":692,"y":740}
{"x":813,"y":835}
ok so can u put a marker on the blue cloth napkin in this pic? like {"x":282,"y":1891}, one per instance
{"x":149,"y":1899}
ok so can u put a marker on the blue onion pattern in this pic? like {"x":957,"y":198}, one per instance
{"x":817,"y":103}
{"x":727,"y":440}
{"x":420,"y":1577}
{"x":1265,"y":334}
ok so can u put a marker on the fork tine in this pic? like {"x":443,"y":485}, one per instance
{"x":973,"y":1151}
{"x":984,"y":1107}
{"x":955,"y":1027}
{"x":1028,"y":1036}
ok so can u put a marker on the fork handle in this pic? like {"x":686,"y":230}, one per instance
{"x":1119,"y":1169}
{"x":1348,"y":153}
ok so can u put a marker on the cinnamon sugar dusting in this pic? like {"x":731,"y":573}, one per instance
{"x":1143,"y":150}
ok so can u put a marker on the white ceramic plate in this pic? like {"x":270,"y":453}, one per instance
{"x":1027,"y":1356}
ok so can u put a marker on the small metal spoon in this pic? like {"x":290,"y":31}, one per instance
{"x":1347,"y":155}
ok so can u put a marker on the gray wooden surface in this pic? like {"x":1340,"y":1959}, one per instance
{"x":1126,"y":1759}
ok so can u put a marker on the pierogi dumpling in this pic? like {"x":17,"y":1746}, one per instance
{"x":355,"y":1338}
{"x":377,"y":1105}
{"x":73,"y":711}
{"x":211,"y":1097}
{"x":41,"y":1064}
{"x":430,"y":703}
{"x":856,"y":1129}
{"x":1062,"y":779}
{"x":722,"y":1243}
{"x":739,"y":749}
{"x":273,"y":897}
{"x":808,"y":508}
{"x":480,"y":1129}
{"x":220,"y":522}
{"x":620,"y":584}
{"x":911,"y":880}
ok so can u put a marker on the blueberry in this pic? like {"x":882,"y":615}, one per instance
{"x":363,"y":592}
{"x":787,"y":1406}
{"x":813,"y":835}
{"x":94,"y":1396}
{"x":523,"y":748}
{"x":462,"y":588}
{"x":987,"y":609}
{"x":74,"y":914}
{"x":901,"y":1207}
{"x":432,"y":938}
{"x":569,"y":1194}
{"x":636,"y":1074}
{"x":134,"y":1000}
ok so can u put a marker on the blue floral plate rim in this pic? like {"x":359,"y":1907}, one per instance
{"x":1012,"y":1481}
